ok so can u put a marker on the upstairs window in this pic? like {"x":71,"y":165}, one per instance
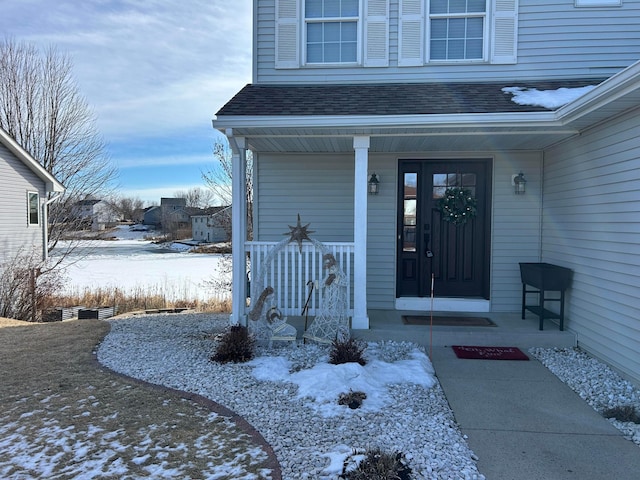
{"x":331,"y":31}
{"x":457,"y":29}
{"x":33,"y":208}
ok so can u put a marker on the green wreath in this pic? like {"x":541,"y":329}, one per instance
{"x":458,"y":205}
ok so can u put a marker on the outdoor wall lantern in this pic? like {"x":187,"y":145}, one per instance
{"x":373,"y":185}
{"x":519,"y":183}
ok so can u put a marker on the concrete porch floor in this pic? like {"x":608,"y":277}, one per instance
{"x":510,"y":330}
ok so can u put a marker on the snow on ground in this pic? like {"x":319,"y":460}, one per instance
{"x":131,"y":263}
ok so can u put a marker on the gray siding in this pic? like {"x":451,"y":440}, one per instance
{"x":555,"y":40}
{"x":320,"y":188}
{"x":515,"y":226}
{"x":591,"y":224}
{"x":16,"y":179}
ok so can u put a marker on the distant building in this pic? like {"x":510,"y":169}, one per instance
{"x":96,"y":213}
{"x":213,"y":226}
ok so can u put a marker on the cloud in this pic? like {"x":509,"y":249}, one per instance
{"x":151,"y":67}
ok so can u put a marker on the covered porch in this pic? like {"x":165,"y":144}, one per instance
{"x":486,"y":126}
{"x":509,"y":330}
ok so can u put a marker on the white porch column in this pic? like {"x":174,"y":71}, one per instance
{"x":360,"y":318}
{"x":238,"y":229}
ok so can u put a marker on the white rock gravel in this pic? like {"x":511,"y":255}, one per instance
{"x":595,"y":382}
{"x":174,"y":350}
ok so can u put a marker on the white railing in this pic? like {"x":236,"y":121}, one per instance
{"x":290,"y":272}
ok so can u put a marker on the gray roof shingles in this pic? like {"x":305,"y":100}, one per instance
{"x":385,"y":99}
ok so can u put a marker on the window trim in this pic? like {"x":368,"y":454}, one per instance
{"x":597,"y":3}
{"x":322,"y":20}
{"x":30,"y":212}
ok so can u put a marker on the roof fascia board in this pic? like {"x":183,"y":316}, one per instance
{"x":52,"y":185}
{"x":533,"y":119}
{"x":615,"y":87}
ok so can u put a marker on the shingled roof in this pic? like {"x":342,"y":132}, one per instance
{"x":385,"y":99}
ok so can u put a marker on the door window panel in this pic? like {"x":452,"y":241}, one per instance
{"x":409,"y":212}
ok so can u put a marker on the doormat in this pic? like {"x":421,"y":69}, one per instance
{"x":489,"y":353}
{"x":447,"y":321}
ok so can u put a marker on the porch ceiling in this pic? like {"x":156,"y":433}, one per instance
{"x":384,"y":140}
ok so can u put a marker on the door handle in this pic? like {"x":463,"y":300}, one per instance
{"x":429,"y":253}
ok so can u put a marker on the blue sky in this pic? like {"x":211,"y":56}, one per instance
{"x":154,"y":72}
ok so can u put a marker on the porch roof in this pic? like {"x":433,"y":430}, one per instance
{"x":415,"y":117}
{"x":385,"y":99}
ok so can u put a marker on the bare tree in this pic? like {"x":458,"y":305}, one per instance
{"x":196,"y":197}
{"x":127,"y":209}
{"x":218,"y":179}
{"x":41,"y":107}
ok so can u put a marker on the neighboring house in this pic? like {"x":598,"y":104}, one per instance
{"x":422,"y":94}
{"x":213,"y":226}
{"x":26,"y":189}
{"x":152,"y":216}
{"x":96,"y":213}
{"x":171,"y":210}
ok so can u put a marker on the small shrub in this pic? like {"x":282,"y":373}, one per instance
{"x":378,"y":465}
{"x":352,"y":399}
{"x":236,"y":345}
{"x":623,"y":413}
{"x":346,"y":351}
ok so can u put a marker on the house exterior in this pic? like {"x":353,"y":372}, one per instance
{"x":211,"y":226}
{"x":26,"y":190}
{"x":424,"y":94}
{"x":95,"y":213}
{"x":171,"y":210}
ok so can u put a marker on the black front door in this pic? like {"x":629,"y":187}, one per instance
{"x":456,"y":255}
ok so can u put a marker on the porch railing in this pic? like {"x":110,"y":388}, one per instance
{"x":290,"y":271}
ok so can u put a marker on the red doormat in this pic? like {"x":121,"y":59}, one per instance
{"x":489,"y":353}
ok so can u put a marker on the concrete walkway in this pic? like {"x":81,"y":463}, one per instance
{"x":524,"y":423}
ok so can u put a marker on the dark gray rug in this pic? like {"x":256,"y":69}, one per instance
{"x":448,"y":321}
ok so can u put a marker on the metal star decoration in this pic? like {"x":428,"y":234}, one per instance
{"x":299,"y":233}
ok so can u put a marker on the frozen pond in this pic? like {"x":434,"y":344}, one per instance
{"x":131,"y":263}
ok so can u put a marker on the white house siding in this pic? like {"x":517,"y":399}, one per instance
{"x":591,"y":224}
{"x":555,"y":40}
{"x":16,"y":179}
{"x":320,"y":188}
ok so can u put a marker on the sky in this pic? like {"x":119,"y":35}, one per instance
{"x":153,"y":71}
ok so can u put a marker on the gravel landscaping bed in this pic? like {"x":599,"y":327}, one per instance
{"x":175,"y":350}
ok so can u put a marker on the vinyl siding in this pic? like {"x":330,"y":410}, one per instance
{"x":16,"y":179}
{"x":515,"y":226}
{"x":591,"y":225}
{"x":555,"y":40}
{"x":320,"y":188}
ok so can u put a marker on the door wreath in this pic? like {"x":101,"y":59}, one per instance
{"x":458,"y":205}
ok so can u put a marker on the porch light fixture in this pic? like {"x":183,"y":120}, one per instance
{"x":373,"y":185}
{"x":519,"y":184}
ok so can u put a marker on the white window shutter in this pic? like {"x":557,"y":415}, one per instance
{"x":504,"y":32}
{"x":287,"y":34}
{"x":376,"y":33}
{"x":411,"y":28}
